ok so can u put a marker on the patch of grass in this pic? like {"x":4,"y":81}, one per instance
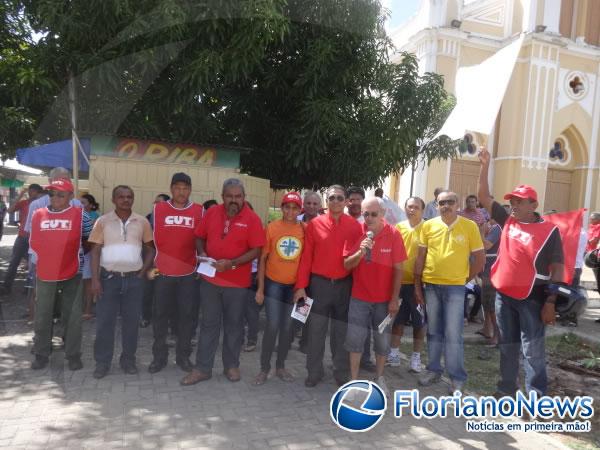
{"x":274,"y":214}
{"x":570,"y":346}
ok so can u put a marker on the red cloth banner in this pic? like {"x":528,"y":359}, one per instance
{"x":569,"y":225}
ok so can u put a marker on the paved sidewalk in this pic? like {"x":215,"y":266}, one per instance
{"x":56,"y":408}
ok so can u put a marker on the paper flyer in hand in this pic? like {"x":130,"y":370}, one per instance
{"x":206,"y":267}
{"x":384,"y":323}
{"x":302,"y":309}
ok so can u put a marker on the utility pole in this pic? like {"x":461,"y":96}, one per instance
{"x":74,"y":139}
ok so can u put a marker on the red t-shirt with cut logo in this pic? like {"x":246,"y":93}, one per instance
{"x":175,"y":238}
{"x":56,"y":238}
{"x":229,"y":238}
{"x":372,"y":281}
{"x":22,"y":207}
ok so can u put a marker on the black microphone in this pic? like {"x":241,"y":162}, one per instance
{"x":368,"y":254}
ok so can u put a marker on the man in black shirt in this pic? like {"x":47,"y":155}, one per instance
{"x":530,"y":257}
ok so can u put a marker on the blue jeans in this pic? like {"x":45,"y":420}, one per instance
{"x":19,"y":252}
{"x":252,"y":313}
{"x":445,"y":309}
{"x":521,"y":328}
{"x":124,"y":295}
{"x":278,"y":306}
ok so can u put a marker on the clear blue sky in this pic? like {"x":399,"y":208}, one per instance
{"x":400,"y":11}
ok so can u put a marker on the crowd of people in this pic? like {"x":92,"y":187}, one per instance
{"x":365,"y":269}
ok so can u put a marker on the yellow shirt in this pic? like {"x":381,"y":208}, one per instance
{"x":449,"y":249}
{"x":410,"y":236}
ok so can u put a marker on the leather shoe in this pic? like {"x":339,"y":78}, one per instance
{"x":185,"y":364}
{"x":156,"y":366}
{"x":75,"y":363}
{"x":39,"y":363}
{"x":100,"y":372}
{"x":233,"y":374}
{"x":195,"y":376}
{"x":129,"y":368}
{"x":311,"y":382}
{"x":340,"y":379}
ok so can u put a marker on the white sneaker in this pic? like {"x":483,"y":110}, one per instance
{"x":383,"y":385}
{"x":415,"y":363}
{"x":393,"y":360}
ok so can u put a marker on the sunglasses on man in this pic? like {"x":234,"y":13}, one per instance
{"x":446,"y":202}
{"x":57,"y":194}
{"x":373,"y":214}
{"x":336,"y":198}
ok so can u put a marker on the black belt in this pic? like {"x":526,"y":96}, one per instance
{"x":122,"y":274}
{"x":331,"y":280}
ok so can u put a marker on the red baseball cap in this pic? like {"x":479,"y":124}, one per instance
{"x":292,"y":197}
{"x":522,"y":191}
{"x":61,"y":184}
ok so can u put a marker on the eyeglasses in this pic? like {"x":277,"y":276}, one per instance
{"x":334,"y":198}
{"x":366,"y":214}
{"x":225,"y":229}
{"x":57,"y":194}
{"x":446,"y":202}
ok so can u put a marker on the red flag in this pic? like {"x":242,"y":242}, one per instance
{"x":569,"y":225}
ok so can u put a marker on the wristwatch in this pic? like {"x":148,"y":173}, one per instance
{"x":233,"y":266}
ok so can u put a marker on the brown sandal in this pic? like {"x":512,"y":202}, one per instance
{"x":284,"y":375}
{"x":261,"y":378}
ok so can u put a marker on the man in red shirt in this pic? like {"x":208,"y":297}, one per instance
{"x":231,"y":235}
{"x":322,"y":266}
{"x":175,"y":222}
{"x":21,"y":245}
{"x":377,"y":277}
{"x":56,"y":238}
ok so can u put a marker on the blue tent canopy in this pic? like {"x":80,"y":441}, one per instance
{"x":55,"y":154}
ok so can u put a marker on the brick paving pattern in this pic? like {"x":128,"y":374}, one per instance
{"x":56,"y":408}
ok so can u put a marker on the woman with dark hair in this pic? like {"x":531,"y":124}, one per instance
{"x":91,"y":206}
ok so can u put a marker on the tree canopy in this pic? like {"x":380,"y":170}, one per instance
{"x":307,"y":85}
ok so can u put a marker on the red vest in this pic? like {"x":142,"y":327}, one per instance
{"x":174,"y":238}
{"x":514,"y":272}
{"x":56,"y":239}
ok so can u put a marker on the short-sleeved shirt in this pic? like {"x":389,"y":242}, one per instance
{"x":229,"y":238}
{"x":491,"y":253}
{"x":121,"y":241}
{"x":448,"y":250}
{"x":285,"y":242}
{"x":431,"y":210}
{"x":324,"y":244}
{"x":476,"y":215}
{"x":551,"y":252}
{"x":43,"y":202}
{"x":410,"y":236}
{"x":22,"y":207}
{"x":594,"y":236}
{"x":372,"y":280}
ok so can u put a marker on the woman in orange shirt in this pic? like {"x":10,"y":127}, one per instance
{"x":277,"y":270}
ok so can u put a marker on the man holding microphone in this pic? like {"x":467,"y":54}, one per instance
{"x":375,"y":259}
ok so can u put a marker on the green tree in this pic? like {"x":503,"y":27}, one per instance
{"x":306,"y":85}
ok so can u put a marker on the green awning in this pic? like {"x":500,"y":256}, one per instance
{"x":11,"y":183}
